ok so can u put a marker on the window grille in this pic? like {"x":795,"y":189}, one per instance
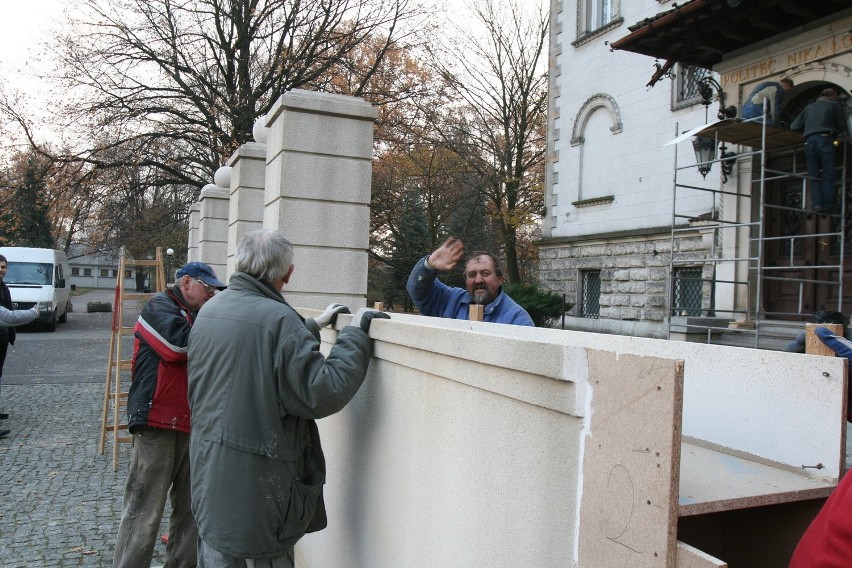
{"x":687,"y":292}
{"x":687,"y":80}
{"x":590,"y":293}
{"x":87,"y":272}
{"x":75,"y":272}
{"x":104,"y":272}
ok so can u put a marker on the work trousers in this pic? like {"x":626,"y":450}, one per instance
{"x":819,"y":154}
{"x":209,"y":557}
{"x":159,"y":469}
{"x":4,"y":346}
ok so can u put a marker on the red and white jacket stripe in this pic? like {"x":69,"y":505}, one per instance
{"x":158,"y":391}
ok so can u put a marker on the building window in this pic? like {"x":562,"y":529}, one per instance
{"x":128,"y":274}
{"x":687,"y":292}
{"x":686,"y":83}
{"x":75,"y":272}
{"x":596,"y":14}
{"x":104,"y":272}
{"x":114,"y":272}
{"x":590,"y":293}
{"x":87,"y":272}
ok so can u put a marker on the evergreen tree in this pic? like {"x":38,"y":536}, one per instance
{"x":412,"y":243}
{"x":30,"y":198}
{"x":24,"y":221}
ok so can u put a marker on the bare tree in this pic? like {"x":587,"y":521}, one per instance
{"x":178,"y":84}
{"x":158,"y":93}
{"x":499,"y":79}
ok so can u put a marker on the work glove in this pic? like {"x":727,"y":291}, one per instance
{"x":841,"y":346}
{"x":329,"y":316}
{"x":364,"y":316}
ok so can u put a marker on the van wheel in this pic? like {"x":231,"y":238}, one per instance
{"x":52,"y":325}
{"x":64,"y":317}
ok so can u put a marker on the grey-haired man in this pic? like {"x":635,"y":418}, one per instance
{"x":257,"y":383}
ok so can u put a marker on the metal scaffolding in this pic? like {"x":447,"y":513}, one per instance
{"x":741,"y":255}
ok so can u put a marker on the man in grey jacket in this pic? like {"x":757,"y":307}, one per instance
{"x":257,"y":382}
{"x":821,"y":123}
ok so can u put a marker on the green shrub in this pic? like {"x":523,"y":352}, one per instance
{"x":544,"y":307}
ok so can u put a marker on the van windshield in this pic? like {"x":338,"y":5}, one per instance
{"x":29,"y":273}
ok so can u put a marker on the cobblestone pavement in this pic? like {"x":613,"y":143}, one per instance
{"x":60,"y":500}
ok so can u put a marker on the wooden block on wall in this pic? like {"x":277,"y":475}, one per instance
{"x":476,"y":312}
{"x":813,"y":345}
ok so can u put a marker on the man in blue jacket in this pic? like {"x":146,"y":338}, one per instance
{"x":483,"y":280}
{"x":773,"y":93}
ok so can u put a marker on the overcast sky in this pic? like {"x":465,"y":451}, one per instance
{"x":22,"y":24}
{"x":25,"y":23}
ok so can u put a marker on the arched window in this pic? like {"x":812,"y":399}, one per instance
{"x":596,"y":123}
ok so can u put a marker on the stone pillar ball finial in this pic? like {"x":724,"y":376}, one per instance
{"x":209,"y":186}
{"x":260,"y":130}
{"x":222,"y":177}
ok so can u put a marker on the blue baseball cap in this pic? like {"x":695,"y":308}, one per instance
{"x":201,"y":271}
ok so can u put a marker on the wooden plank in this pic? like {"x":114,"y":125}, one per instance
{"x":735,"y":131}
{"x":137,"y":295}
{"x":712,"y":481}
{"x":813,"y":344}
{"x":785,"y":408}
{"x":691,"y":557}
{"x":631,"y":462}
{"x":476,"y":312}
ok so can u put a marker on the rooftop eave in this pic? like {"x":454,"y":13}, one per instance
{"x":704,"y":32}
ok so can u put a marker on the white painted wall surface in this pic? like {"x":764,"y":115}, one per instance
{"x":639,"y":167}
{"x":466,"y":444}
{"x":421,"y":460}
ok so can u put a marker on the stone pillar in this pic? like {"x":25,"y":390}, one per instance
{"x":213,"y":228}
{"x":318,"y":177}
{"x":245,"y":213}
{"x":192,"y":244}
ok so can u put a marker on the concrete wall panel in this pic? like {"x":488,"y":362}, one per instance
{"x":310,"y":176}
{"x":324,"y":224}
{"x":326,"y":270}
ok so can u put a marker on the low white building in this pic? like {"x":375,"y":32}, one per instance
{"x":101,"y":271}
{"x":625,"y":81}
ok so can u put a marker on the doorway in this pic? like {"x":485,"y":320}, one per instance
{"x":803,"y":252}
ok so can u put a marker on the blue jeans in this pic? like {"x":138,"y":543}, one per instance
{"x":819,"y":153}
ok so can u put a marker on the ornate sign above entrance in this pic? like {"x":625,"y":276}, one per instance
{"x":775,"y":65}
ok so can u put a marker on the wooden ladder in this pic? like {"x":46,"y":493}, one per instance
{"x":115,"y":399}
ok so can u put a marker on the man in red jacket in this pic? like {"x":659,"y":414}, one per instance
{"x":828,"y":541}
{"x":158,"y":419}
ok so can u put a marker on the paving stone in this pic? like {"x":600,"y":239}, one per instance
{"x":60,"y":501}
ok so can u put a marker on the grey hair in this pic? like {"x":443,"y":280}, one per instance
{"x":265,"y":254}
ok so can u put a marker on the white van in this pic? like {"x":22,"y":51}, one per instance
{"x":39,"y":276}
